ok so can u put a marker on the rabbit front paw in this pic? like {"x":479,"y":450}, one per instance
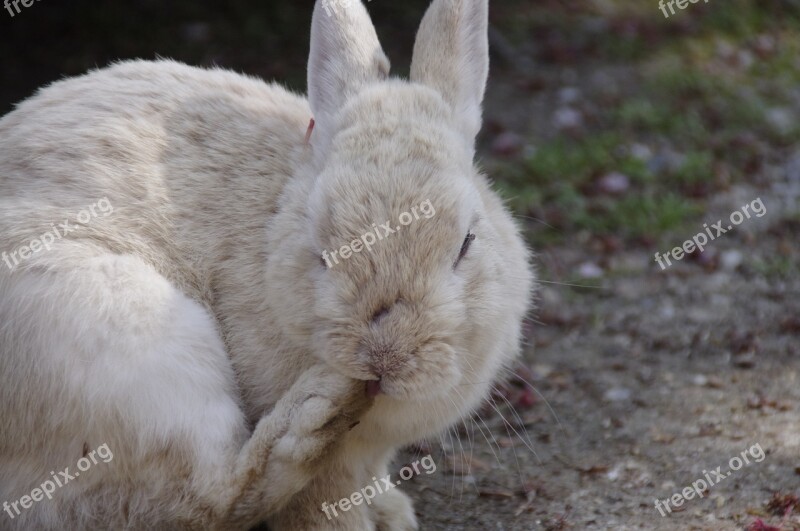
{"x":394,"y":511}
{"x":326,"y":406}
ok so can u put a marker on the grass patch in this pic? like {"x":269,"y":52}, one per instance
{"x":556,"y":185}
{"x":637,"y":216}
{"x":708,"y":100}
{"x":780,"y":267}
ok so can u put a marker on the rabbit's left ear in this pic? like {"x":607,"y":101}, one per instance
{"x":345,"y":56}
{"x":451,"y":55}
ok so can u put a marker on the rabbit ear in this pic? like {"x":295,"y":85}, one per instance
{"x":451,"y":55}
{"x":345,"y":56}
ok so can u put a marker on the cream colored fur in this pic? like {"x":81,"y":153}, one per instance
{"x":195,"y":330}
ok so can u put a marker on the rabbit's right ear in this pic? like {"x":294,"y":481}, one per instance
{"x":345,"y":56}
{"x":451,"y":55}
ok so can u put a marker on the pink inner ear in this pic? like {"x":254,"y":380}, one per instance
{"x":309,"y":130}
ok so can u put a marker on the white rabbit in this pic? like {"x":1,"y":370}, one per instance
{"x":198,"y":331}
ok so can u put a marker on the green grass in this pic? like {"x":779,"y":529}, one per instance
{"x":696,"y":168}
{"x":558,"y":175}
{"x":687,"y":98}
{"x":637,"y":216}
{"x":780,"y":267}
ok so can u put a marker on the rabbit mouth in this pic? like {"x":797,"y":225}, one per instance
{"x":374,"y":388}
{"x":408,"y":388}
{"x":403,"y":370}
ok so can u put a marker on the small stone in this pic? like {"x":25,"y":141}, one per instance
{"x":666,"y":160}
{"x":618,"y":394}
{"x":745,"y":361}
{"x":568,"y":95}
{"x":641,"y":152}
{"x":590,"y":270}
{"x":567,"y":118}
{"x":719,"y":501}
{"x":781,"y":119}
{"x":614,"y":183}
{"x":730,"y":260}
{"x":699,"y":380}
{"x":542,"y":371}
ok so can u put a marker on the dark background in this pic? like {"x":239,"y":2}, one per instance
{"x":52,"y":38}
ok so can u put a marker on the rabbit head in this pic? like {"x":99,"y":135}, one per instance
{"x":421,"y":279}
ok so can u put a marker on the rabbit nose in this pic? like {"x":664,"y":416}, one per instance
{"x":384,"y":361}
{"x":377,"y":368}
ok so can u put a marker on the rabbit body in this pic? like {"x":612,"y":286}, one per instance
{"x":190,"y":325}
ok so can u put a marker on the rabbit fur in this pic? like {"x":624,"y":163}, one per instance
{"x":193,"y":328}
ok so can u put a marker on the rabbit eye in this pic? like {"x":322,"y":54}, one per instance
{"x":464,"y":248}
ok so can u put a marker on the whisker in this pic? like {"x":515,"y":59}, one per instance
{"x":513,"y":447}
{"x":491,"y":402}
{"x":516,"y":416}
{"x":572,"y":285}
{"x":486,"y":438}
{"x":537,"y":220}
{"x":540,"y":395}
